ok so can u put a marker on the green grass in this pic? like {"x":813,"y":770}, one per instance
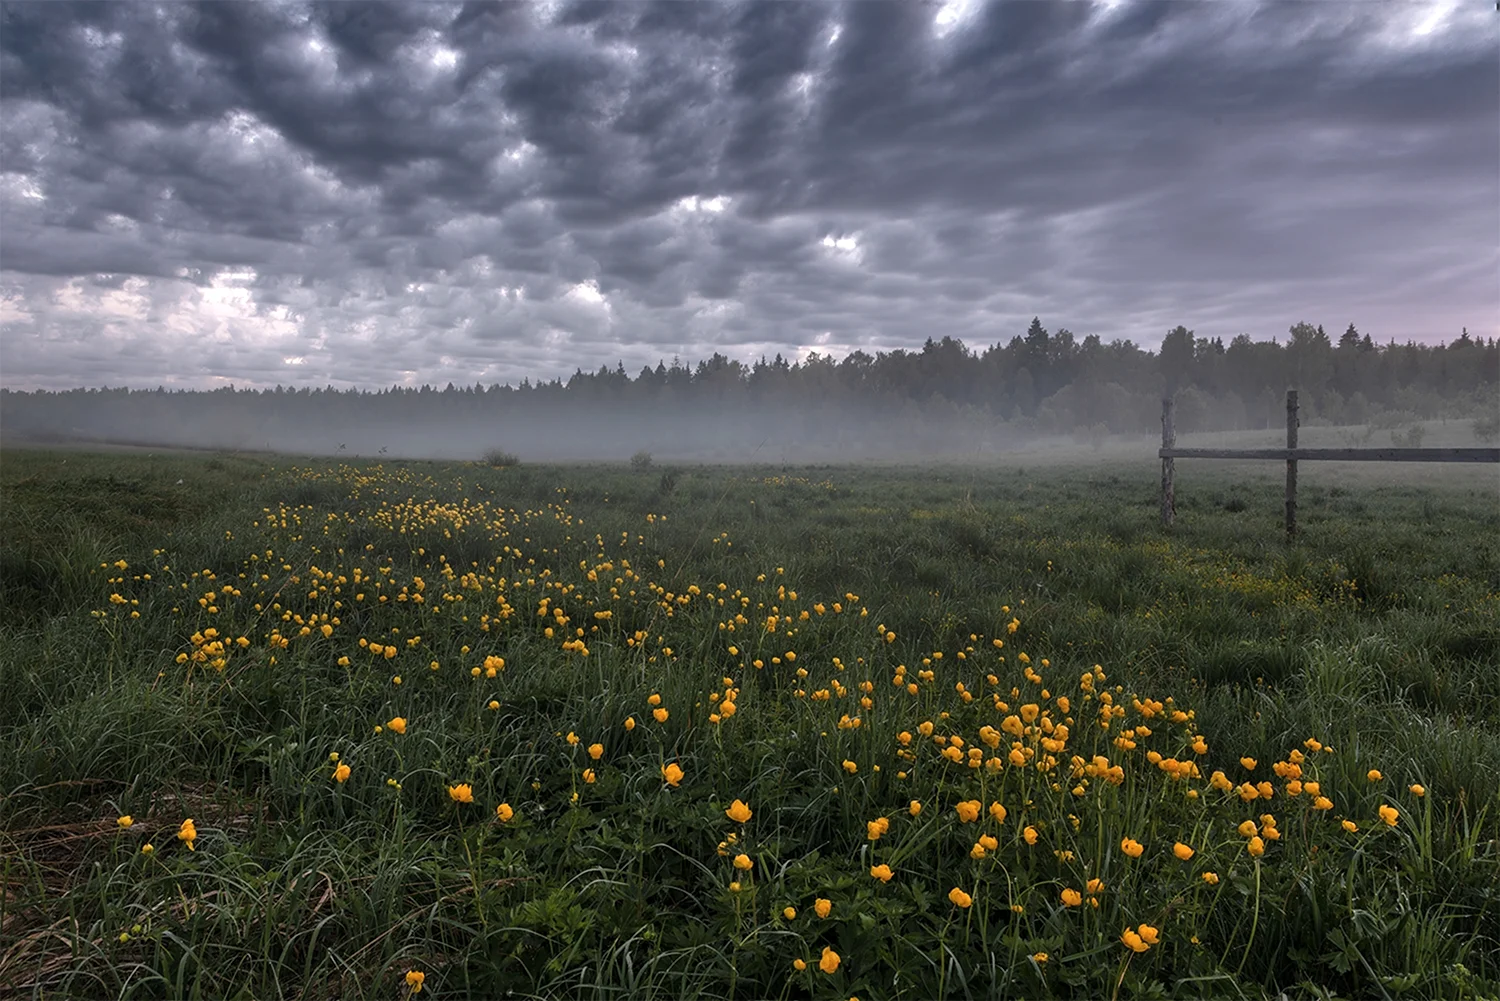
{"x":1377,"y":633}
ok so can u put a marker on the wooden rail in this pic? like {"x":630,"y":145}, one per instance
{"x":1340,"y":454}
{"x":1169,"y":453}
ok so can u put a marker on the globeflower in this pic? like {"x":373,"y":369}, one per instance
{"x":1071,"y":897}
{"x":1418,"y":790}
{"x":743,"y":862}
{"x":1133,"y":941}
{"x":1132,"y":848}
{"x":875,"y":828}
{"x":504,"y":812}
{"x":596,"y":751}
{"x":790,"y":913}
{"x":461,"y":793}
{"x":341,"y":773}
{"x":414,"y":980}
{"x":830,"y":961}
{"x":882,"y":873}
{"x":1389,"y":814}
{"x":397,"y":724}
{"x":822,"y":906}
{"x":1182,"y":851}
{"x":672,"y":774}
{"x":188,"y":833}
{"x":125,"y":821}
{"x":1029,"y":835}
{"x":959,"y":897}
{"x":738,"y":812}
{"x":968,"y":810}
{"x":660,"y":714}
{"x":915,"y":808}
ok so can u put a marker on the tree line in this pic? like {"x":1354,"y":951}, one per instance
{"x":1036,"y":384}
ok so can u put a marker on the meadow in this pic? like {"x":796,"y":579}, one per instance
{"x":296,"y":728}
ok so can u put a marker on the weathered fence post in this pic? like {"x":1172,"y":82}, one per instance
{"x":1291,"y":465}
{"x":1168,"y":466}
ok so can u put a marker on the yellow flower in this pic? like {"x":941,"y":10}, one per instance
{"x":461,"y":793}
{"x":125,"y":821}
{"x":1095,"y":885}
{"x":629,"y":723}
{"x":1322,"y":803}
{"x":341,"y":773}
{"x":1039,"y":957}
{"x":1256,"y":847}
{"x":188,"y":833}
{"x":738,"y":812}
{"x":1211,"y":878}
{"x":1133,"y":941}
{"x":1029,"y":835}
{"x":1182,"y":851}
{"x":830,"y":961}
{"x":959,"y":897}
{"x":1148,"y":934}
{"x":790,"y":913}
{"x":596,"y":751}
{"x":414,"y":980}
{"x":850,"y":767}
{"x":1350,"y":826}
{"x":1418,"y":790}
{"x":915,"y":808}
{"x":822,"y":906}
{"x":1248,"y":763}
{"x":1132,"y":847}
{"x":672,"y":774}
{"x":968,"y":810}
{"x":147,"y":848}
{"x":997,"y":811}
{"x":654,"y":700}
{"x":875,"y":828}
{"x":504,"y":812}
{"x":1388,"y":814}
{"x":660,"y":714}
{"x":1374,"y":775}
{"x":743,"y":862}
{"x":1071,"y":897}
{"x":398,"y":724}
{"x":1247,"y":828}
{"x":799,"y":965}
{"x":882,"y":873}
{"x":589,"y":776}
{"x":494,"y":705}
{"x":572,"y":738}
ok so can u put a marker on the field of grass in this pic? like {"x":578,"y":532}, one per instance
{"x":290,"y":728}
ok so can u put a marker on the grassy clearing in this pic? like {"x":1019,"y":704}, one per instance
{"x":926,"y":699}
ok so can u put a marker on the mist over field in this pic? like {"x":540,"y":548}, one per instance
{"x":1044,"y":392}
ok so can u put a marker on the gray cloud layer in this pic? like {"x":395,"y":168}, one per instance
{"x":408,"y":192}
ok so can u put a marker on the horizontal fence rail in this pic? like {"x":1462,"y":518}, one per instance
{"x":1339,"y":454}
{"x":1291,"y":455}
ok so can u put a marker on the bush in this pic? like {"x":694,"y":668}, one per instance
{"x":1487,"y":428}
{"x":1411,"y":439}
{"x":641,"y":460}
{"x":499,"y":457}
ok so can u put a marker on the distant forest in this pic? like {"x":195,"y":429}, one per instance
{"x":945,"y":397}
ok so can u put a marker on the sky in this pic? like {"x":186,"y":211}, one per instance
{"x":405,"y":193}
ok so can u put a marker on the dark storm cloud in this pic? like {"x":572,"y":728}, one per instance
{"x":371,"y":193}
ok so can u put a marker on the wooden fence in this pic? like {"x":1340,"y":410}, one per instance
{"x":1170,"y":453}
